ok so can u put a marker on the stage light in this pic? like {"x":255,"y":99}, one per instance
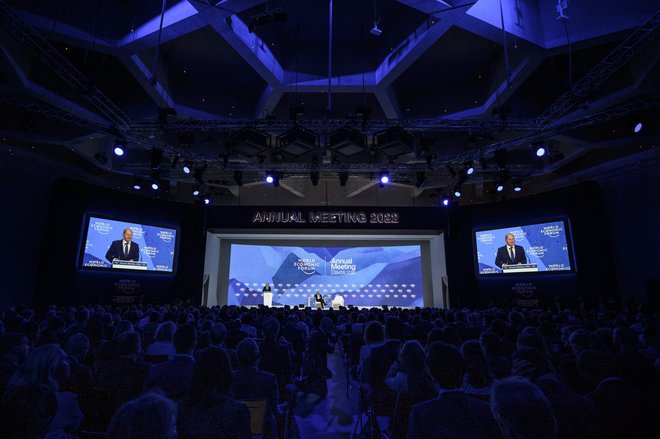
{"x":207,"y":200}
{"x":195,"y":191}
{"x":119,"y":150}
{"x":187,"y":167}
{"x":469,"y":168}
{"x":137,"y":185}
{"x":154,"y":186}
{"x":540,"y":150}
{"x":457,"y":193}
{"x":270,"y":178}
{"x":517,"y":187}
{"x":500,"y":187}
{"x":445,"y":201}
{"x":638,"y":127}
{"x":155,"y":180}
{"x":384,"y":178}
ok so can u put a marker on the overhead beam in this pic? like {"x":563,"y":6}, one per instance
{"x":268,"y":102}
{"x":386,"y":97}
{"x":291,"y":189}
{"x":417,"y":43}
{"x":362,"y":188}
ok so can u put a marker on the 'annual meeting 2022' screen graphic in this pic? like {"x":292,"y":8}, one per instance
{"x":546,"y":246}
{"x":363,"y":276}
{"x":157,"y":244}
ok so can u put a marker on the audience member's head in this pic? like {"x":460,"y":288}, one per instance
{"x":211,"y":379}
{"x":185,"y":339}
{"x":247,"y":352}
{"x":271,"y":329}
{"x":476,"y":366}
{"x":45,"y":365}
{"x":446,"y":365}
{"x":165,"y":332}
{"x":579,"y":341}
{"x":77,"y":346}
{"x":27,"y":411}
{"x":374,"y":333}
{"x":129,"y":344}
{"x":14,"y":345}
{"x":326,"y":325}
{"x":522,"y":410}
{"x":218,"y":334}
{"x":123,"y":327}
{"x":530,"y":363}
{"x":151,"y":416}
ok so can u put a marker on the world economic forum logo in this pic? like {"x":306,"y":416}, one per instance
{"x":102,"y":228}
{"x":486,"y":238}
{"x":552,"y":231}
{"x":166,"y":235}
{"x":307,"y":265}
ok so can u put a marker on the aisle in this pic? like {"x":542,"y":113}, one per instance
{"x":333,"y":417}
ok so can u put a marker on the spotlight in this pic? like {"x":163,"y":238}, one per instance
{"x":195,"y":191}
{"x":155,"y":180}
{"x":314,"y":176}
{"x":187,"y":167}
{"x":540,"y":150}
{"x":445,"y":201}
{"x":469,"y":168}
{"x":270,"y":178}
{"x":119,"y":149}
{"x":517,"y":186}
{"x":383,"y":178}
{"x":638,"y":127}
{"x":238,"y":177}
{"x":457,"y":193}
{"x":500,"y":187}
{"x":207,"y":200}
{"x":343,"y":178}
{"x":137,"y":185}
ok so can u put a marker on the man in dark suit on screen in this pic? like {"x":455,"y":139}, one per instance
{"x":124,"y":249}
{"x":510,"y":254}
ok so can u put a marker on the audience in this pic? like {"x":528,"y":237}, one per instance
{"x":535,"y":373}
{"x":209,"y":410}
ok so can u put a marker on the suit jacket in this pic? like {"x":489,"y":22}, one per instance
{"x":116,"y":251}
{"x":174,"y":377}
{"x":123,"y":377}
{"x":504,"y":258}
{"x":319,"y":298}
{"x":276,"y":359}
{"x":225,"y":418}
{"x":452,"y":415}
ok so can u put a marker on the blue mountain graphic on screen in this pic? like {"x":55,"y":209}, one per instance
{"x":391,"y":274}
{"x":324,"y":252}
{"x":289,"y":273}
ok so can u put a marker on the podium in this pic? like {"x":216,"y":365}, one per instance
{"x":520,"y":268}
{"x":268,"y":299}
{"x":129,"y":265}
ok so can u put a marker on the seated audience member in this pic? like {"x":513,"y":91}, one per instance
{"x":275,"y":354}
{"x":452,"y":414}
{"x":252,"y":383}
{"x":54,"y":332}
{"x":174,"y":376}
{"x":150,"y":325}
{"x":217,"y":337}
{"x":27,"y":411}
{"x":374,"y":336}
{"x":80,"y":379}
{"x":150,"y":416}
{"x":316,"y":358}
{"x":79,"y":325}
{"x":634,"y":368}
{"x":410,"y":379}
{"x":498,"y":363}
{"x":163,"y":344}
{"x":208,"y":410}
{"x":121,"y":378}
{"x":478,"y":378}
{"x":522,"y":410}
{"x":576,"y":416}
{"x":14,"y":349}
{"x":47,"y":365}
{"x":295,"y":336}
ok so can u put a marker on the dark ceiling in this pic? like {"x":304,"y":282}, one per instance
{"x":460,"y":85}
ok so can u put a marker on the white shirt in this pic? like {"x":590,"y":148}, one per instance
{"x":512,"y":251}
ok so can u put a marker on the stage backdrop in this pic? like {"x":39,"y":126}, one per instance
{"x":363,"y":276}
